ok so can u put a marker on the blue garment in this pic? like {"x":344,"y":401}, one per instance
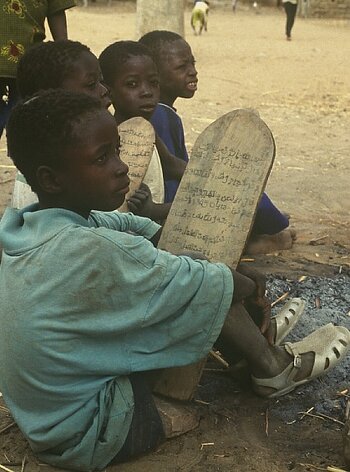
{"x":168,"y":126}
{"x":83,"y":304}
{"x":268,"y":218}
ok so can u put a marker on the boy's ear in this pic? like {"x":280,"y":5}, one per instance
{"x":48,"y":179}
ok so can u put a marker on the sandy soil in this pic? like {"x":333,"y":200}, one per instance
{"x":302,"y":91}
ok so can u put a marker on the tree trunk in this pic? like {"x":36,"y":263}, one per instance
{"x":159,"y":15}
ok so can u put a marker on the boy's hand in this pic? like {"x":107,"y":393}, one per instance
{"x":140,"y":203}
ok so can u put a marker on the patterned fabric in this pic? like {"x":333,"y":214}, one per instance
{"x":22,"y":24}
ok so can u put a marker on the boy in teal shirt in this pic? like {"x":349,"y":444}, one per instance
{"x":87,"y":302}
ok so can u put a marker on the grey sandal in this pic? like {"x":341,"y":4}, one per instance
{"x":329,"y":344}
{"x":287,"y":318}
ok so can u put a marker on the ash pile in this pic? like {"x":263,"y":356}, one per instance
{"x":327,"y":301}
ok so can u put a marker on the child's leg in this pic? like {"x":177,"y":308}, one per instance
{"x":146,"y":430}
{"x":192,"y":22}
{"x":264,"y":360}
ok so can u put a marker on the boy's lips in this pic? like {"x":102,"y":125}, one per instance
{"x":106,"y":103}
{"x":192,"y":85}
{"x":125,"y":188}
{"x":148,"y":108}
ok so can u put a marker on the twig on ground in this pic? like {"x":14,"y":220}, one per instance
{"x":331,"y":468}
{"x":205,"y":444}
{"x":313,"y":242}
{"x":312,"y":466}
{"x":302,"y":278}
{"x":201,"y":402}
{"x":321,"y":416}
{"x":267,"y":422}
{"x":280,"y":299}
{"x":6,"y":469}
{"x":308,"y":411}
{"x":317,"y":303}
{"x":7,"y":427}
{"x":218,"y":358}
{"x":23,"y":463}
{"x":347,"y":410}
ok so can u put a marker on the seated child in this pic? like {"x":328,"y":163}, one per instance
{"x":131,"y":75}
{"x":64,"y":64}
{"x":178,"y":78}
{"x":199,"y":16}
{"x":95,"y":305}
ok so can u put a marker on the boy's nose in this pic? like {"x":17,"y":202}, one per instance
{"x":193,"y":71}
{"x":121,"y":168}
{"x":104,"y":96}
{"x":103,"y":91}
{"x":146,"y":92}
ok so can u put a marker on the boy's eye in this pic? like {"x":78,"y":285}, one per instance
{"x":92,"y":85}
{"x":155,"y":82}
{"x":131,"y":83}
{"x":102,"y":158}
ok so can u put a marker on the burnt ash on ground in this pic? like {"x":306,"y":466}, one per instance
{"x":327,"y":301}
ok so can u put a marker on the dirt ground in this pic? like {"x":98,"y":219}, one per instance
{"x":302,"y":91}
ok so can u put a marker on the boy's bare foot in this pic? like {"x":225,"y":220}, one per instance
{"x":266,"y":243}
{"x":177,"y":418}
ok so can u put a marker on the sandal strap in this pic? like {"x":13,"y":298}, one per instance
{"x":329,"y":344}
{"x":281,"y":380}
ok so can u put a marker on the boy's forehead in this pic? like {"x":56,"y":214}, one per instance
{"x":175,"y":49}
{"x":90,"y":123}
{"x":143,"y":60}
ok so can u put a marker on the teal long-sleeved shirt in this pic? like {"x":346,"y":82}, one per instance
{"x":84,"y":303}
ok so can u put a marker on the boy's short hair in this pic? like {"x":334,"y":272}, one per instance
{"x":41,"y":128}
{"x":46,"y":65}
{"x":114,"y":57}
{"x":155,"y":40}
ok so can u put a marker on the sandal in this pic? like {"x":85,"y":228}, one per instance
{"x":329,"y":344}
{"x":287,"y":318}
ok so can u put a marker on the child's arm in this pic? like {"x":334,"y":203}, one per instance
{"x":141,"y":204}
{"x":58,"y":25}
{"x":124,"y":222}
{"x":173,"y":167}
